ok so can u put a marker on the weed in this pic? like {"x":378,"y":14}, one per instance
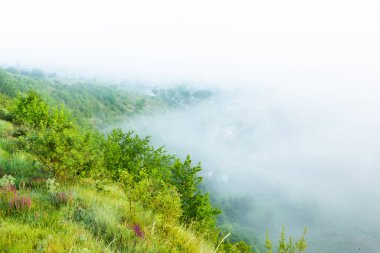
{"x":19,"y":203}
{"x":7,"y":192}
{"x":137,"y":229}
{"x":63,"y":198}
{"x":52,"y":185}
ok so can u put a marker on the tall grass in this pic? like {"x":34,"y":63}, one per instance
{"x":5,"y":128}
{"x":93,"y":222}
{"x":18,"y":164}
{"x":106,"y":215}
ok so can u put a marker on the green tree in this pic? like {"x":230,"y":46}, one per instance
{"x":55,"y":140}
{"x":195,"y":204}
{"x":126,"y":151}
{"x":31,"y":110}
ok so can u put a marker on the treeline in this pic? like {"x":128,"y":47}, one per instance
{"x":94,"y":102}
{"x":90,"y":102}
{"x":181,"y":96}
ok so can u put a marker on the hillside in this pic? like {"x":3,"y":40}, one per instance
{"x":67,"y":187}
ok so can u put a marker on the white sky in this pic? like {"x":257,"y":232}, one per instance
{"x":256,"y":41}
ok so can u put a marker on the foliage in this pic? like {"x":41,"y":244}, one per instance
{"x":7,"y":180}
{"x":6,"y":85}
{"x":31,"y":110}
{"x":236,"y":247}
{"x":195,"y":205}
{"x":181,"y":96}
{"x":54,"y":139}
{"x":236,"y":218}
{"x":268,"y":243}
{"x":93,"y":103}
{"x":161,"y":198}
{"x":287,"y":247}
{"x":5,"y":128}
{"x":130,"y":157}
{"x":52,"y":185}
{"x":125,"y":151}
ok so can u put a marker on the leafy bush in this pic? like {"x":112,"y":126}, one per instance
{"x":31,"y":110}
{"x":156,"y":195}
{"x":54,"y":139}
{"x":126,"y":151}
{"x":132,"y":159}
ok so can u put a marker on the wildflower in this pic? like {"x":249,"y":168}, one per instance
{"x":138,"y":231}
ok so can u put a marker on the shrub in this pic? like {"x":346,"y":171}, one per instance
{"x":54,"y":139}
{"x":31,"y":109}
{"x":161,"y":198}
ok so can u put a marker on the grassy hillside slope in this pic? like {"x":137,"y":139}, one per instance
{"x":66,"y":187}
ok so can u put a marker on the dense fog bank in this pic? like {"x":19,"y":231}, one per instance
{"x":301,"y":160}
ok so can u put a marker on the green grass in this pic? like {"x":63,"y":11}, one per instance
{"x":5,"y":128}
{"x":93,"y":222}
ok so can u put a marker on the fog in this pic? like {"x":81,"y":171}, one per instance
{"x":306,"y":162}
{"x":222,"y":41}
{"x":294,"y":119}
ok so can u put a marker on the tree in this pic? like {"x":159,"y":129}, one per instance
{"x":195,"y":204}
{"x":126,"y":151}
{"x":31,"y":110}
{"x":54,"y":138}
